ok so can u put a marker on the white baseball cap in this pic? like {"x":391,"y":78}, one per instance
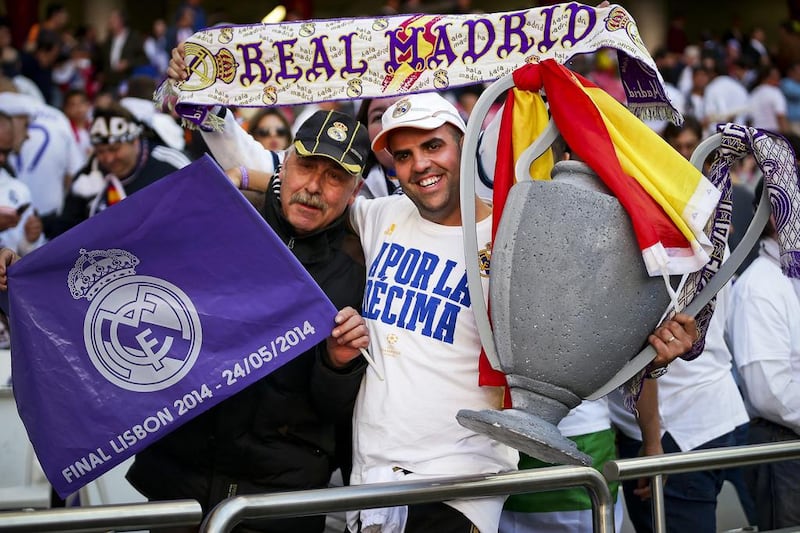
{"x":424,"y":111}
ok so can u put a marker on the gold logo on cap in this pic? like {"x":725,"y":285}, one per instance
{"x":337,"y":132}
{"x":401,"y":108}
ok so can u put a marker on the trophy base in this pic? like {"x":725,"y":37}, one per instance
{"x":525,"y":432}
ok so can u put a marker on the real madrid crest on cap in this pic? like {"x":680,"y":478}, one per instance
{"x":142,"y":333}
{"x":401,"y":108}
{"x":337,"y":132}
{"x":336,"y":136}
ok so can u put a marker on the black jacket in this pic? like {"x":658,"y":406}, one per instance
{"x":280,"y":433}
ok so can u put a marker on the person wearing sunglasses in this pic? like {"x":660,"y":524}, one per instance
{"x":270,"y":127}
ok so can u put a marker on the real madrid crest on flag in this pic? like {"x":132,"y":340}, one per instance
{"x":148,"y":314}
{"x":163,"y":329}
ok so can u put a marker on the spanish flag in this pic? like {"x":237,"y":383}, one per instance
{"x":668,"y":200}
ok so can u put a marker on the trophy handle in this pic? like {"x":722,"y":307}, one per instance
{"x":469,"y":170}
{"x":523,"y":167}
{"x":714,"y":285}
{"x":704,"y":149}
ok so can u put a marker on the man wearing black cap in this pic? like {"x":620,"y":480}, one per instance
{"x":124,"y":161}
{"x":281,"y":433}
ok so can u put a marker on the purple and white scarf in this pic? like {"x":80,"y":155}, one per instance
{"x":776,"y":159}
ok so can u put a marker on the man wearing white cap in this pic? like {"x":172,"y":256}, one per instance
{"x":19,"y":109}
{"x":422,"y":330}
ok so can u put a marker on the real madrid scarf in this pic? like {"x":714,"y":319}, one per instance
{"x":777,"y":161}
{"x":312,"y":61}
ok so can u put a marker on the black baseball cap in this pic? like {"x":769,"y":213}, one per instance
{"x":336,"y":136}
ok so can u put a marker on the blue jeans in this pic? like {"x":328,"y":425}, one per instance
{"x":775,"y":486}
{"x":736,"y":477}
{"x":690,"y":499}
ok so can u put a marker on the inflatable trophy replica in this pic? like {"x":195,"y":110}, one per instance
{"x":565,"y":325}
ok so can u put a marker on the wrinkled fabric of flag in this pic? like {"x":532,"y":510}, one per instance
{"x":668,"y":200}
{"x":148,"y":314}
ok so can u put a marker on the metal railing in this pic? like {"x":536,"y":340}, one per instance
{"x":230,"y":512}
{"x":127,"y":517}
{"x":657,"y":466}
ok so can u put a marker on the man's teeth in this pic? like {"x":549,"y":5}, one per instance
{"x":429,"y":181}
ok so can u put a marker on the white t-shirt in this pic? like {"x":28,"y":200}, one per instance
{"x":590,"y":416}
{"x":767,"y":102}
{"x":424,"y":339}
{"x":48,"y":154}
{"x":764,"y":326}
{"x":724,"y":100}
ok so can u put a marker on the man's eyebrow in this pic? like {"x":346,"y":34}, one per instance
{"x":432,"y":140}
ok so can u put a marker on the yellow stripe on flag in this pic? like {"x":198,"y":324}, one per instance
{"x":673,"y":182}
{"x":530,"y":120}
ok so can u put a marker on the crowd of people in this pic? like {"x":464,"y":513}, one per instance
{"x":79,"y":133}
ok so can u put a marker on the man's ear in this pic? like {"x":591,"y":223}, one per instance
{"x":357,"y":188}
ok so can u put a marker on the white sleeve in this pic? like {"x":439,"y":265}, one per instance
{"x":772,"y":391}
{"x":762,"y":349}
{"x":233,"y":147}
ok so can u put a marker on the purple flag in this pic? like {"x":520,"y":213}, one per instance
{"x":148,"y":314}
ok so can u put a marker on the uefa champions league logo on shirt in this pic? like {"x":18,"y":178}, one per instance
{"x":142,"y":333}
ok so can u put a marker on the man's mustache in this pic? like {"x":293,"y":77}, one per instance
{"x":311,"y":200}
